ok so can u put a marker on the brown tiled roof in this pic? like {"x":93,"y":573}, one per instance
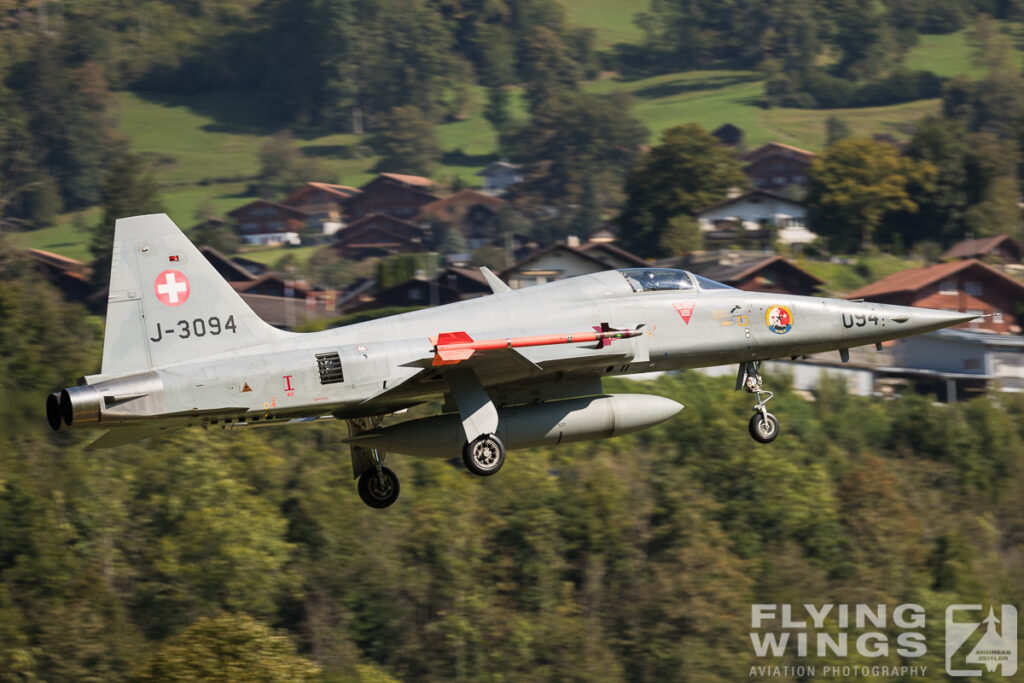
{"x":612,"y":249}
{"x":418,"y":181}
{"x":68,"y":265}
{"x":244,"y":286}
{"x":469,"y":273}
{"x":285,"y":312}
{"x":738,"y":198}
{"x":763,"y":150}
{"x":340,"y":191}
{"x":386,"y":218}
{"x":977,"y":247}
{"x":446,"y":208}
{"x":914,"y":279}
{"x":735,"y":272}
{"x":552,"y":248}
{"x":223,"y":263}
{"x":295,"y":213}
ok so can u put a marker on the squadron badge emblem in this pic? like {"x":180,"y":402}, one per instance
{"x":779,"y":319}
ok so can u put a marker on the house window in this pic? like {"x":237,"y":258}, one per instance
{"x":415,"y":295}
{"x":971,"y":363}
{"x":973,"y":288}
{"x":948,"y":287}
{"x":997,"y":317}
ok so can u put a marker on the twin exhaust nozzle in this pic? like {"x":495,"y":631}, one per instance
{"x":73,"y":407}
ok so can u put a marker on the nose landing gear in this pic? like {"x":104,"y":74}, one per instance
{"x":763,"y":426}
{"x":378,"y":485}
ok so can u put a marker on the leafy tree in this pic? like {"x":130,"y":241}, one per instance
{"x":129,"y":189}
{"x":283,"y":167}
{"x":855,"y":183}
{"x":228,"y":648}
{"x":974,"y":189}
{"x":548,"y":68}
{"x":496,"y":112}
{"x":836,"y":129}
{"x":446,"y":237}
{"x":572,"y":141}
{"x":220,"y":236}
{"x":686,"y":172}
{"x":407,"y":142}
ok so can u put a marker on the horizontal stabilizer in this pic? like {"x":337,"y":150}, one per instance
{"x":123,"y":435}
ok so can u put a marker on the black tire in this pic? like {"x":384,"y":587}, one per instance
{"x":761,"y":431}
{"x":484,"y":456}
{"x":378,"y":491}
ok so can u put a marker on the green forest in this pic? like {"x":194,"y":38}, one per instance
{"x":632,"y":559}
{"x":248,"y":556}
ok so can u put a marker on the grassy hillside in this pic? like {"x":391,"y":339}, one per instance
{"x":205,"y":147}
{"x":612,"y":20}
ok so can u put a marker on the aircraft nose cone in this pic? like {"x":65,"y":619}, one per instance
{"x":930,"y":319}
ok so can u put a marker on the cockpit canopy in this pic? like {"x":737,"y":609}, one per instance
{"x":666,"y":279}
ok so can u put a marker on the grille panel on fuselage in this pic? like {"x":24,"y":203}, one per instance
{"x":329,"y":366}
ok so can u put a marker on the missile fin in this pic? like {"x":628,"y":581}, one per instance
{"x":451,"y":338}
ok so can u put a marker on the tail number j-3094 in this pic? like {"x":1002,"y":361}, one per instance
{"x":195,"y":329}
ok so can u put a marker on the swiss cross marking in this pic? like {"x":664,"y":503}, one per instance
{"x":171,"y":288}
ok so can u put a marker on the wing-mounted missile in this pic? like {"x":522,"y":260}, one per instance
{"x":454,"y":347}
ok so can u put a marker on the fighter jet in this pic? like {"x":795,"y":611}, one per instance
{"x":515,"y":369}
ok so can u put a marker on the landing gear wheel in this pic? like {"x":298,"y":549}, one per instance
{"x":764,"y":428}
{"x":378,"y":489}
{"x":484,"y":456}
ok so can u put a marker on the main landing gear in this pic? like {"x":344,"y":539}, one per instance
{"x":484,"y":456}
{"x":763,"y":426}
{"x":378,"y":485}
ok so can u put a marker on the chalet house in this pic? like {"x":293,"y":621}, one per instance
{"x":70,"y":276}
{"x":954,"y":364}
{"x":775,"y":166}
{"x":560,"y":261}
{"x":287,"y":312}
{"x":380,"y":235}
{"x":469,"y":210}
{"x":758,"y":273}
{"x":254,"y":267}
{"x":967,"y":286}
{"x":264,"y":222}
{"x":227,"y":268}
{"x":274,"y":284}
{"x":498,"y":176}
{"x":1000,"y":249}
{"x":391,"y":194}
{"x":756,"y":215}
{"x":324,"y":203}
{"x":452,"y":284}
{"x":612,"y":255}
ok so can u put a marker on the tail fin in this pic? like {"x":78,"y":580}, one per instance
{"x":167,"y":304}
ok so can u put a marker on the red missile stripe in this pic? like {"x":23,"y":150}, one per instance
{"x":453,"y":347}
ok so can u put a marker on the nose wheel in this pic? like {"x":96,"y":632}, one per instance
{"x":378,"y":485}
{"x":763,"y":426}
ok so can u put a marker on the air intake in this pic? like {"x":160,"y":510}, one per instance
{"x":329,"y":366}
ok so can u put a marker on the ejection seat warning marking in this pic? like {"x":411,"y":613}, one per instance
{"x":246,"y":387}
{"x":172,"y":288}
{"x":685,"y":311}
